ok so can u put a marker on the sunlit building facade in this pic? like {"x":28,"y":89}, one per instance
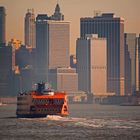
{"x":29,"y":29}
{"x":53,"y":40}
{"x":6,"y":71}
{"x":130,"y":45}
{"x":2,"y":26}
{"x":91,"y":53}
{"x":111,"y":27}
{"x":137,"y":65}
{"x":57,"y":14}
{"x":63,"y":79}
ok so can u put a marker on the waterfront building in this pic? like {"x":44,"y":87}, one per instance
{"x":108,"y":26}
{"x":29,"y":29}
{"x":64,"y":79}
{"x":137,"y":67}
{"x":128,"y":85}
{"x":57,"y":14}
{"x":73,"y":61}
{"x":24,"y":57}
{"x":130,"y":46}
{"x":91,"y":52}
{"x":139,"y":57}
{"x":6,"y":74}
{"x":25,"y":69}
{"x":15,"y":44}
{"x":53,"y":39}
{"x":2,"y":26}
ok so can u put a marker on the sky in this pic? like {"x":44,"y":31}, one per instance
{"x":73,"y":10}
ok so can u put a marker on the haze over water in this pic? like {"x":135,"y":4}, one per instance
{"x":73,"y":10}
{"x":86,"y":121}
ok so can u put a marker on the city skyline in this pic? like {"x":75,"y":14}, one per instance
{"x":15,"y":24}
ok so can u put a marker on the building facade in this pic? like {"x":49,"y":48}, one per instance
{"x":130,"y":46}
{"x":91,"y":53}
{"x":64,"y":79}
{"x":57,"y":14}
{"x":6,"y":71}
{"x":111,"y":27}
{"x":2,"y":26}
{"x":15,"y":44}
{"x":73,"y":61}
{"x":139,"y":58}
{"x":29,"y":29}
{"x":128,"y":82}
{"x":137,"y":89}
{"x":53,"y":39}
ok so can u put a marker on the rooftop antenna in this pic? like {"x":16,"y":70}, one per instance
{"x":57,"y":1}
{"x":32,"y":10}
{"x":97,"y":13}
{"x":28,"y":10}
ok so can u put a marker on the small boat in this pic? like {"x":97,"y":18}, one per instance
{"x":41,"y":102}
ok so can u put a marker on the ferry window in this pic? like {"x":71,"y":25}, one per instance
{"x":46,"y":101}
{"x":65,"y":108}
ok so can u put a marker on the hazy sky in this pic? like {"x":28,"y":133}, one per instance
{"x":72,"y":10}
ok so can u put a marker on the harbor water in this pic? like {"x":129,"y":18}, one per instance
{"x":85,"y":122}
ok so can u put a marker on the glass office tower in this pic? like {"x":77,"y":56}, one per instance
{"x":110,"y":27}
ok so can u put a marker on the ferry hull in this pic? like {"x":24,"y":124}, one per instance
{"x":31,"y":115}
{"x":41,"y":102}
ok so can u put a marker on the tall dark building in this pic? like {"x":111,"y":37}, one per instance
{"x":73,"y":62}
{"x":23,"y":57}
{"x":29,"y":29}
{"x":2,"y":25}
{"x":139,"y":59}
{"x":57,"y":14}
{"x":41,"y":49}
{"x":111,"y":27}
{"x":6,"y":71}
{"x":52,"y":44}
{"x":128,"y":71}
{"x":25,"y":61}
{"x":137,"y":67}
{"x":130,"y":46}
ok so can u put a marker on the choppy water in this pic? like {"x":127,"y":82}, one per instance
{"x":86,"y":122}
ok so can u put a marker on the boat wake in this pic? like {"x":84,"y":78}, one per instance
{"x":92,"y":123}
{"x":2,"y":104}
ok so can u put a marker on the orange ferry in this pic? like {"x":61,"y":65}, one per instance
{"x":41,"y":102}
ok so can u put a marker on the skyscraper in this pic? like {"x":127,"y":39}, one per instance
{"x":139,"y":58}
{"x":128,"y":82}
{"x":137,"y":67}
{"x":52,"y":45}
{"x":6,"y":71}
{"x":57,"y":14}
{"x":92,"y":64}
{"x":2,"y":26}
{"x":64,"y":79}
{"x":111,"y":27}
{"x":130,"y":46}
{"x":30,"y":40}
